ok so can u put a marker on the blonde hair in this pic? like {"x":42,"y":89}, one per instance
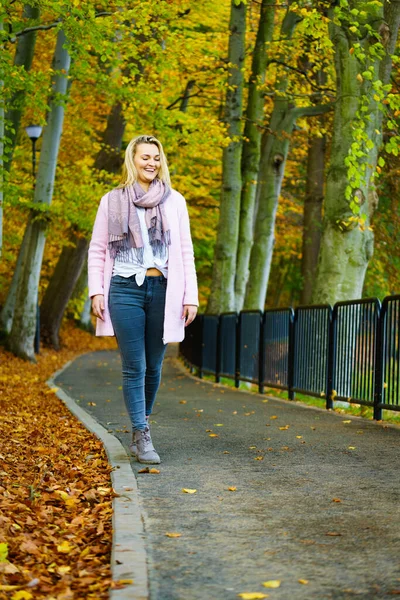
{"x":129,"y":172}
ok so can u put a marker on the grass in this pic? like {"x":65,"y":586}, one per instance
{"x":357,"y":410}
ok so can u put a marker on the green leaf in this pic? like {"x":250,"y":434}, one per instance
{"x":381,"y":161}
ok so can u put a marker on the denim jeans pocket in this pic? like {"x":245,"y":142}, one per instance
{"x":119,"y":280}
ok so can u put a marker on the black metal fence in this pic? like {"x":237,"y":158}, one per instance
{"x":350,"y":352}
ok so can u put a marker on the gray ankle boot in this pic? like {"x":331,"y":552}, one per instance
{"x":132,"y":445}
{"x":145,"y":450}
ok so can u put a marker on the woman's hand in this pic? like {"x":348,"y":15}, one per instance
{"x":98,"y":306}
{"x":189,"y":313}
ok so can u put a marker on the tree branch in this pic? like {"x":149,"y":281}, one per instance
{"x":297,"y":70}
{"x":312,"y":111}
{"x":49,"y":26}
{"x":182,"y":98}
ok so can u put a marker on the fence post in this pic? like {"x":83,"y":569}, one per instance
{"x":201,"y":324}
{"x":292,"y":333}
{"x":261,"y":356}
{"x":238,"y":345}
{"x":219,"y":346}
{"x":331,"y":357}
{"x":378,"y":367}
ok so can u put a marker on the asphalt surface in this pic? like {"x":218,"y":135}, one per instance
{"x":322,"y":505}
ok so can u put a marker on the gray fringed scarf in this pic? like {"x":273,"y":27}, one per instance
{"x":124,"y":230}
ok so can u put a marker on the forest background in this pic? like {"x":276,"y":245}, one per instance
{"x":169,"y":69}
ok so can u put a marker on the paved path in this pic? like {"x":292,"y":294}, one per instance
{"x":322,"y":505}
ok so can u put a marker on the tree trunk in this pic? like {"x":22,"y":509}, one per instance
{"x":312,"y":226}
{"x":109,"y":156}
{"x":251,"y":149}
{"x":7,"y":313}
{"x":108,"y":160}
{"x":274,"y":149}
{"x":23,"y":328}
{"x":83,"y":320}
{"x":72,"y":259}
{"x":1,"y":151}
{"x":346,"y":248}
{"x":23,"y":58}
{"x":223,"y":282}
{"x":60,"y":288}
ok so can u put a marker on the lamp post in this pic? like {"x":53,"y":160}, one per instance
{"x":34,"y":132}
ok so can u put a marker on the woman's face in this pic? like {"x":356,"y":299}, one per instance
{"x":147,"y":163}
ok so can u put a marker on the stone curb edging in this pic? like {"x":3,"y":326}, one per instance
{"x":128,"y":554}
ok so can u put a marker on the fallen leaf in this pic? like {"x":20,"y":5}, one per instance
{"x":299,"y":437}
{"x":63,"y":569}
{"x":352,"y":447}
{"x":272,"y":583}
{"x":284,"y":428}
{"x":226,"y":452}
{"x":253,"y":595}
{"x":188,"y":491}
{"x":213,"y":435}
{"x":173,"y":535}
{"x":154,"y":471}
{"x":303,"y":581}
{"x":258,"y":458}
{"x":333,"y":533}
{"x":336,"y":500}
{"x":92,"y":404}
{"x":347,"y":421}
{"x":148,"y":470}
{"x":64,"y":548}
{"x":218,"y":424}
{"x":273,"y":417}
{"x":121,"y":582}
{"x":21,"y":595}
{"x":232,"y":488}
{"x":3,"y":552}
{"x":182,"y":401}
{"x":252,"y":447}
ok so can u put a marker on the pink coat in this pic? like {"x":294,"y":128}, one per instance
{"x":181,"y":282}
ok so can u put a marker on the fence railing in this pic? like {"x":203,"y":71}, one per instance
{"x":350,"y":352}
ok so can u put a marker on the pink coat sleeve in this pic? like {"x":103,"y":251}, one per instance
{"x":97,"y":250}
{"x":191,"y":292}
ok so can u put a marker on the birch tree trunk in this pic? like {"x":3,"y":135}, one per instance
{"x":274,"y":149}
{"x":312,"y":225}
{"x":223,"y":281}
{"x":23,"y":328}
{"x":345,"y":247}
{"x":72,"y":259}
{"x":251,"y":149}
{"x":23,"y":58}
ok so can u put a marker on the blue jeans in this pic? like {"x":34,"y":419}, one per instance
{"x":137,"y":315}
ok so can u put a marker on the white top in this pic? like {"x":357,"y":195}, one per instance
{"x":134,"y":267}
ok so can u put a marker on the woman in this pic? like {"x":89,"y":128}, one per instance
{"x":142,"y":279}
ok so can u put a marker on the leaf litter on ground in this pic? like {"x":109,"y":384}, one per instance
{"x":56,"y":493}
